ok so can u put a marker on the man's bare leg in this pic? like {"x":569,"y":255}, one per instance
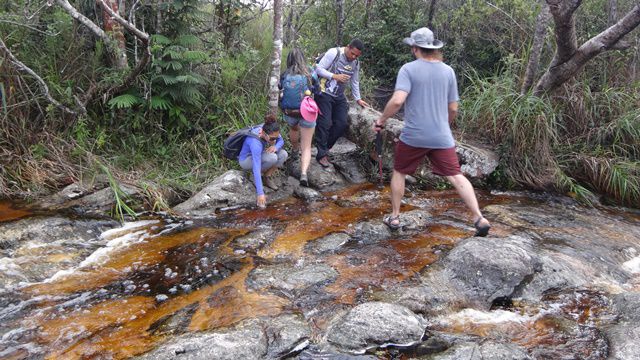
{"x":397,"y":192}
{"x":466,"y":192}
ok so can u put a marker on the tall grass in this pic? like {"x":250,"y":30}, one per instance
{"x":581,"y":142}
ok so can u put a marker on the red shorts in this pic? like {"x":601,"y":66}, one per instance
{"x":444,"y":162}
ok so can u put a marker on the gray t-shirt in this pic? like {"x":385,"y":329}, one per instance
{"x":431,"y":87}
{"x":342,"y":66}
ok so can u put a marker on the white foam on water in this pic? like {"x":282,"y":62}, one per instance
{"x":103,"y":254}
{"x":127,"y":227}
{"x":633,"y":265}
{"x":486,"y":317}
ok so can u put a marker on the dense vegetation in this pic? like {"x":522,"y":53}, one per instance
{"x":208,"y":70}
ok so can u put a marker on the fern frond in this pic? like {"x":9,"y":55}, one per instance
{"x":160,"y":103}
{"x":124,"y":101}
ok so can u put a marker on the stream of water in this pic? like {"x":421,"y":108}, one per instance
{"x":159,"y":276}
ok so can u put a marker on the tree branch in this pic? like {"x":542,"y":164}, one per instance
{"x":563,"y":12}
{"x":127,"y":25}
{"x":45,"y":89}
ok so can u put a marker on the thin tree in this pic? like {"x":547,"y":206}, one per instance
{"x":339,"y":21}
{"x":114,"y":29}
{"x":277,"y":55}
{"x":542,"y":22}
{"x":569,"y":59}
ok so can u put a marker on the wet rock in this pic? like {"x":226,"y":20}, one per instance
{"x":102,"y":200}
{"x":319,"y":178}
{"x":318,"y":354}
{"x":329,"y":243}
{"x":254,"y":240}
{"x":175,"y":323}
{"x":286,"y":334}
{"x":346,"y":159}
{"x":288,"y":278}
{"x":624,"y":337}
{"x":307,"y":194}
{"x":246,"y":341}
{"x":476,"y":161}
{"x":376,"y":324}
{"x":371,"y":232}
{"x":436,"y":293}
{"x":70,"y":192}
{"x":230,"y":189}
{"x":557,"y":271}
{"x":415,"y":220}
{"x":38,"y":247}
{"x":486,"y":351}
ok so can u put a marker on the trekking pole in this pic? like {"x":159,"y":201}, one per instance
{"x":379,"y":153}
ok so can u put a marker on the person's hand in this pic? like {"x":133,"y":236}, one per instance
{"x":271,"y":149}
{"x":378,"y":125}
{"x":363,"y":103}
{"x":341,"y":77}
{"x":262,"y":201}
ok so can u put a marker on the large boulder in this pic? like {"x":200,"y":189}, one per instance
{"x":491,"y":268}
{"x":233,"y":188}
{"x":476,"y":161}
{"x":376,"y":324}
{"x":96,"y":196}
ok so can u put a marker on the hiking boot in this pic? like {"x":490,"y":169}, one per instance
{"x":304,"y":181}
{"x":324,"y":161}
{"x":270,"y":183}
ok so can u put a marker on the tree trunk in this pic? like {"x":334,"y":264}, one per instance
{"x":569,"y":59}
{"x":367,"y":12}
{"x":612,"y":10}
{"x":340,"y":21}
{"x":114,"y":29}
{"x":290,"y":33}
{"x":432,"y":11}
{"x":277,"y":55}
{"x":536,"y":48}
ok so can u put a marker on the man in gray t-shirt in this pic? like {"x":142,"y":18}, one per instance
{"x":427,"y":87}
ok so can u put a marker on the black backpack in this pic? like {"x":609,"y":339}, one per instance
{"x":233,"y":144}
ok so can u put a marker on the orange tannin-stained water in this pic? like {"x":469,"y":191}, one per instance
{"x":125,"y":326}
{"x":393,"y":262}
{"x":8,"y":212}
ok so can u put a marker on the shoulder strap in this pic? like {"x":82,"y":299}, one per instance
{"x":335,"y":60}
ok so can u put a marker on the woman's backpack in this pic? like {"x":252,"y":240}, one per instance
{"x":233,"y":144}
{"x":293,"y":88}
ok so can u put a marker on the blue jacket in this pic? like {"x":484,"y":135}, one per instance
{"x":254,"y":148}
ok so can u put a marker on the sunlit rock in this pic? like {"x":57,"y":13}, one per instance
{"x":376,"y":324}
{"x":288,"y":278}
{"x":329,"y":243}
{"x":246,"y":341}
{"x":489,"y":268}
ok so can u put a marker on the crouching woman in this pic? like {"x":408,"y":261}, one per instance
{"x":263,"y":155}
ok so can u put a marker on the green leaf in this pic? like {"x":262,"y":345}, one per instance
{"x":160,"y":39}
{"x":124,"y":101}
{"x":160,"y":103}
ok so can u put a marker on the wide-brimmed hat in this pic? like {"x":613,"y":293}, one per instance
{"x":309,"y":109}
{"x":423,"y":38}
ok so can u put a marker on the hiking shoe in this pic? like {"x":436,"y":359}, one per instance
{"x":304,"y":181}
{"x":270,"y":183}
{"x":324,"y":161}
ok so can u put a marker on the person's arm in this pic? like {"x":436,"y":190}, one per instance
{"x":256,"y":159}
{"x":322,"y":69}
{"x":393,"y":105}
{"x":279,"y":143}
{"x":453,"y":111}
